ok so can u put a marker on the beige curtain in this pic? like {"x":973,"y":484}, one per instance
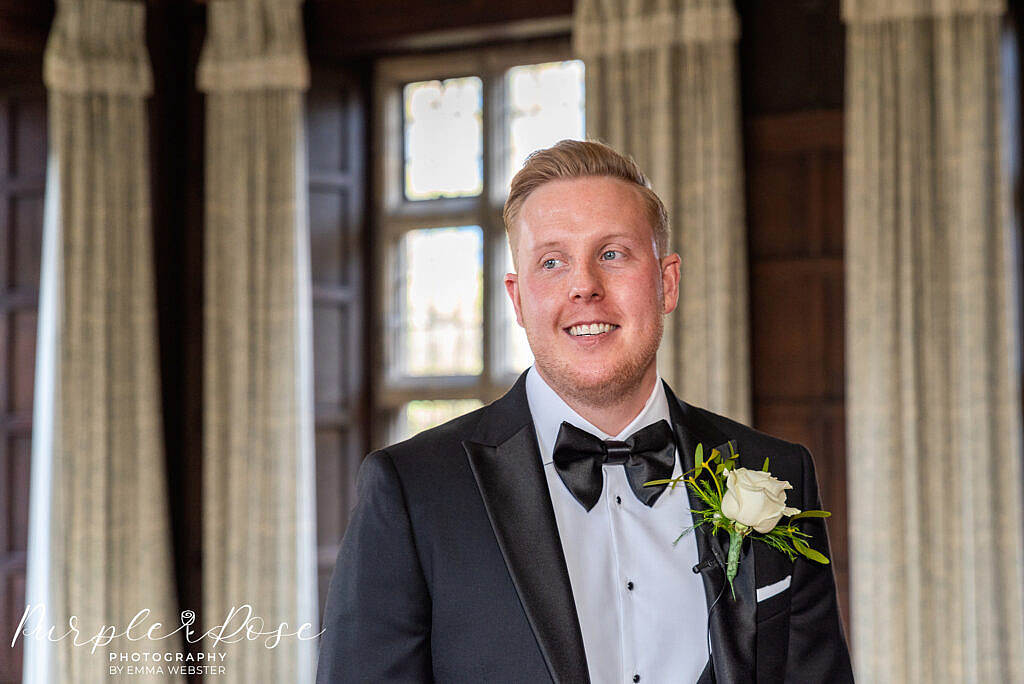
{"x":258,"y":480}
{"x":99,"y":540}
{"x":662,"y":86}
{"x":933,"y":348}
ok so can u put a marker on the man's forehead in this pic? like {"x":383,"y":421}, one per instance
{"x":587,"y":197}
{"x":564,"y":194}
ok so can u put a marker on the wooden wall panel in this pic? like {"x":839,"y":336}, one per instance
{"x":336,"y":123}
{"x":24,"y":25}
{"x":795,"y":215}
{"x":344,"y":29}
{"x":22,"y":179}
{"x":792,"y":64}
{"x":792,"y":55}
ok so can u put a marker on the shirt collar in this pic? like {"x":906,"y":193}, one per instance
{"x":549,"y":410}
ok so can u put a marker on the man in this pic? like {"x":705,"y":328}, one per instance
{"x":514,"y":544}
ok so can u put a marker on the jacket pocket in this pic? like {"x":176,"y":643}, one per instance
{"x":773,"y":598}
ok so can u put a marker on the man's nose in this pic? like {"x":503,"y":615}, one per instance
{"x":586,"y":283}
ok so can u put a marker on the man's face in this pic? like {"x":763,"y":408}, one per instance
{"x":591,"y":290}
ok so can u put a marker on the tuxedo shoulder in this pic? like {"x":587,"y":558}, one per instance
{"x":441,"y":442}
{"x":432,"y":472}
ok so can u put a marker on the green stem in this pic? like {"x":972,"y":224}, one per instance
{"x":733,"y":564}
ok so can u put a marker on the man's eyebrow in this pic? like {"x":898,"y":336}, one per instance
{"x":605,"y":238}
{"x":547,"y":245}
{"x":618,"y":236}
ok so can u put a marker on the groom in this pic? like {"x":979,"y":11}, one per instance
{"x":516,"y":544}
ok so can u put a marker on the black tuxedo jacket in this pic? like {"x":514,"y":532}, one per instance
{"x":452,"y":570}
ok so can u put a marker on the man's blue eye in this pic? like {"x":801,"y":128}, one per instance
{"x":610,"y":251}
{"x":549,"y":263}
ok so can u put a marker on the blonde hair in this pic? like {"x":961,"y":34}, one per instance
{"x":580,"y":159}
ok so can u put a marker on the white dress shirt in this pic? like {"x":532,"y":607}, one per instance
{"x":642,"y":610}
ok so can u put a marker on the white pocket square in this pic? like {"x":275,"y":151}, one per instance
{"x":774,"y":588}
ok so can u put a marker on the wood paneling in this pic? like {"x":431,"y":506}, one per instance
{"x":794,"y":171}
{"x":792,"y":55}
{"x":792,"y":58}
{"x":345,"y":29}
{"x":24,"y":25}
{"x":22,"y":182}
{"x":336,"y":122}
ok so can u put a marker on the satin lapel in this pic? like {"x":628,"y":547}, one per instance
{"x":511,"y":480}
{"x":733,"y":622}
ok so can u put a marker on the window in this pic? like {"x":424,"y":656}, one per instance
{"x":452,"y":131}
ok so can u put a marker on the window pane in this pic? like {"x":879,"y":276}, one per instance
{"x":444,"y":138}
{"x":545,"y":105}
{"x":436,"y":322}
{"x":417,"y":416}
{"x":515,"y":352}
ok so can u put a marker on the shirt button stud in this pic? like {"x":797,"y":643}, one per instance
{"x":629,"y":585}
{"x":636,"y":678}
{"x":618,"y":499}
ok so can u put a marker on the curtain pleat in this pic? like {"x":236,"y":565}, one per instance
{"x":258,"y":480}
{"x":99,"y":540}
{"x":933,"y":348}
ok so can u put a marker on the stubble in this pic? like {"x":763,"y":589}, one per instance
{"x":607,"y":389}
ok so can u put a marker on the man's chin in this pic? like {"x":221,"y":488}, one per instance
{"x":593,"y":386}
{"x":585,"y":381}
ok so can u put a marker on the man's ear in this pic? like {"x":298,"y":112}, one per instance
{"x":512,"y":287}
{"x":670,"y":281}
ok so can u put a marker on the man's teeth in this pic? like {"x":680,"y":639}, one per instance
{"x":592,"y":329}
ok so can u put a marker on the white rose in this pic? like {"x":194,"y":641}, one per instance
{"x":755,"y":499}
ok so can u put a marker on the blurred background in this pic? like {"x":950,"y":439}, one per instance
{"x":244,"y":242}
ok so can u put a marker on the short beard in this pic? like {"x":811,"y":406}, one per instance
{"x":625,"y":380}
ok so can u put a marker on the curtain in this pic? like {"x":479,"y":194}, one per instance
{"x":662,"y":86}
{"x":258,"y":477}
{"x":99,"y":539}
{"x":933,"y":348}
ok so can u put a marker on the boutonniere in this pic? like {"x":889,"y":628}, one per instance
{"x":745,"y":503}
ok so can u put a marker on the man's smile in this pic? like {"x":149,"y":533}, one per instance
{"x":590,"y":329}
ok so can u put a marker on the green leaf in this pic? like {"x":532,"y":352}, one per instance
{"x":654,"y":483}
{"x":719,"y":468}
{"x":764,"y":468}
{"x":700,"y":461}
{"x":706,"y":498}
{"x":811,"y":514}
{"x":810,"y":553}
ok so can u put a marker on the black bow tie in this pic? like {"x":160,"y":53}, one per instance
{"x":648,"y":454}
